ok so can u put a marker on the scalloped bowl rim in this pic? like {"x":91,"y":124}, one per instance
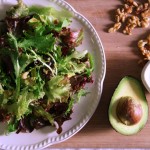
{"x":77,"y":127}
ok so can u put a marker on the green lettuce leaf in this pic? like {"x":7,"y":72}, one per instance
{"x":71,"y":65}
{"x":21,"y":107}
{"x":51,"y":12}
{"x":58,"y":89}
{"x":12,"y":125}
{"x":41,"y":43}
{"x":43,"y":25}
{"x":39,"y":111}
{"x":19,"y":10}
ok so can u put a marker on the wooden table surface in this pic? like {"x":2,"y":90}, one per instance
{"x":122,"y":56}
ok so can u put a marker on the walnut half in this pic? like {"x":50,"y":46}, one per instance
{"x":145,"y":22}
{"x":115,"y":27}
{"x":144,"y":46}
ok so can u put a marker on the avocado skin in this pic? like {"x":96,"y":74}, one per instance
{"x":128,"y":86}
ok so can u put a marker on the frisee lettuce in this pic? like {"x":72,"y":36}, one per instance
{"x":58,"y":89}
{"x":38,"y":59}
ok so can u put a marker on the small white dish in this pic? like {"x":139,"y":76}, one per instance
{"x":145,"y":76}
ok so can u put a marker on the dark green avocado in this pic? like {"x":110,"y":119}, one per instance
{"x":128,"y":109}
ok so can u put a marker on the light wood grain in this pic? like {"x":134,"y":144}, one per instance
{"x":122,"y":57}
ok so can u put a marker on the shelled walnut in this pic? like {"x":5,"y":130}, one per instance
{"x":142,"y":8}
{"x":128,"y":8}
{"x":144,"y":46}
{"x":120,"y":15}
{"x":132,"y":22}
{"x":146,"y":13}
{"x":145,"y":22}
{"x":131,"y":2}
{"x":115,"y":27}
{"x":132,"y":14}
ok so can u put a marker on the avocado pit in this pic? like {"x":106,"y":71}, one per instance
{"x":129,"y":111}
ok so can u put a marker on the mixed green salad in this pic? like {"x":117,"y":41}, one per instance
{"x":42,"y":75}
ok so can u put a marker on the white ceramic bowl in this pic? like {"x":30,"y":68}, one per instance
{"x":145,"y":76}
{"x":86,"y":107}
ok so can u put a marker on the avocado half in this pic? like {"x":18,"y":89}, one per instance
{"x":128,"y":87}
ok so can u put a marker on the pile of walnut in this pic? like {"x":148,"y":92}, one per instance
{"x":132,"y":15}
{"x":144,"y":46}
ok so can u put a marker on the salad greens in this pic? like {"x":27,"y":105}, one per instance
{"x":42,"y":75}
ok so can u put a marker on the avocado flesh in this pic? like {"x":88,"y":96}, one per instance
{"x":128,"y":86}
